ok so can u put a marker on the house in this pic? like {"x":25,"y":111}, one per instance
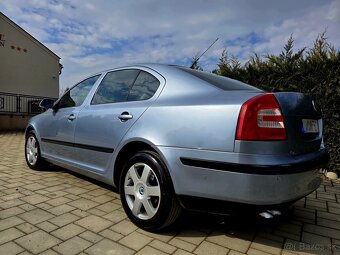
{"x":29,"y":71}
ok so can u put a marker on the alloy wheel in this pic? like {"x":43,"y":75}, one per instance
{"x":142,"y":191}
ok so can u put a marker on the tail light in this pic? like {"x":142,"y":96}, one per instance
{"x":261,"y":119}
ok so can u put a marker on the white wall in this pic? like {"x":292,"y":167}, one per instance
{"x":29,"y":68}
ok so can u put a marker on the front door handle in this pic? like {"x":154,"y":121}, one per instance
{"x":125,"y":116}
{"x":71,"y":117}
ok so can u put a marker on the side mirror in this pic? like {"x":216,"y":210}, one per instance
{"x":46,"y":104}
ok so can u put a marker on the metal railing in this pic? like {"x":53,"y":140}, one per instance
{"x":20,"y":104}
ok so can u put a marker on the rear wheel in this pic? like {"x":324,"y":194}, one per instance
{"x":147,"y":193}
{"x":32,"y":152}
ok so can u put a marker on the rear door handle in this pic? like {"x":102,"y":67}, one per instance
{"x":125,"y":116}
{"x":71,"y":117}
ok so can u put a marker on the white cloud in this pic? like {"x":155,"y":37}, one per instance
{"x":90,"y":36}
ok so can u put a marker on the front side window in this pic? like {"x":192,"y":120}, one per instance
{"x":76,"y":95}
{"x":144,"y":87}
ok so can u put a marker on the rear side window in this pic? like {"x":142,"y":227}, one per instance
{"x":115,"y":87}
{"x":144,"y":87}
{"x":218,"y":81}
{"x":76,"y":95}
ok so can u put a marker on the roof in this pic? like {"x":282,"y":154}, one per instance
{"x":20,"y":29}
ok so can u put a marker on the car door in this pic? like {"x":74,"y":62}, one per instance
{"x":57,"y":133}
{"x":121,"y":98}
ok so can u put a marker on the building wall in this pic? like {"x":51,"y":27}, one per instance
{"x":13,"y":122}
{"x":26,"y":66}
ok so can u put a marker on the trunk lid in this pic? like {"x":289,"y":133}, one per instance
{"x":303,"y":122}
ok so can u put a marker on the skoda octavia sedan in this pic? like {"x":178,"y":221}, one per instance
{"x":169,"y":138}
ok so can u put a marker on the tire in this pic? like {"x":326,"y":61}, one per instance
{"x":32,"y":152}
{"x":146,"y":192}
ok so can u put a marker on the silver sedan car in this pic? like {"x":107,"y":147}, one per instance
{"x":170,"y":137}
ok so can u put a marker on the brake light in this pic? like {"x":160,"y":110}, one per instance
{"x":261,"y":119}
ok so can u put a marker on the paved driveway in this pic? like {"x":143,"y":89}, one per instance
{"x":57,"y":212}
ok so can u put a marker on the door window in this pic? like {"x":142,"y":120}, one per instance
{"x":76,"y":95}
{"x":115,"y":87}
{"x":144,"y":87}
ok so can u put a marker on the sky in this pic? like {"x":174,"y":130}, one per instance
{"x":91,"y":36}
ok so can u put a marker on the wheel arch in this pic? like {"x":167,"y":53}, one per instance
{"x":29,"y":129}
{"x":129,"y":149}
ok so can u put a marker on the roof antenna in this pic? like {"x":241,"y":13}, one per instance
{"x":196,"y":59}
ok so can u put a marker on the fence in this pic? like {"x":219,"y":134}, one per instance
{"x":17,"y":104}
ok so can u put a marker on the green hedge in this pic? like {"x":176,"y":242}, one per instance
{"x":314,"y":71}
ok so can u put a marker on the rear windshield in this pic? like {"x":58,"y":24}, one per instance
{"x":220,"y":82}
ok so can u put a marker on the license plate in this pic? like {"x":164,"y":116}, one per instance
{"x":310,"y":126}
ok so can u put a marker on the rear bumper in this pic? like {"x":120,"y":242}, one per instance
{"x":253,"y":179}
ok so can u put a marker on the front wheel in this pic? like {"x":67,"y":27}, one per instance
{"x":147,"y":193}
{"x":32,"y":152}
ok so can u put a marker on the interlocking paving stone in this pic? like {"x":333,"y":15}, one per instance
{"x":164,"y":237}
{"x":135,"y":241}
{"x":108,"y":247}
{"x":192,"y":236}
{"x":83,"y":204}
{"x":47,"y":226}
{"x":10,"y":212}
{"x":72,"y":246}
{"x":27,"y":207}
{"x":64,"y":219}
{"x":266,"y":245}
{"x":27,"y":228}
{"x":207,"y":248}
{"x":252,"y":251}
{"x":114,"y":236}
{"x":12,"y":196}
{"x":61,"y":209}
{"x":94,"y":223}
{"x":329,"y":216}
{"x":35,"y":199}
{"x":10,"y":248}
{"x":162,"y":246}
{"x":48,"y":252}
{"x":124,"y":227}
{"x":36,"y":216}
{"x":10,"y":222}
{"x":11,"y":203}
{"x":312,"y":238}
{"x":115,"y":216}
{"x":328,"y":223}
{"x":58,"y":201}
{"x":232,"y":252}
{"x":323,"y":231}
{"x":90,"y":236}
{"x":44,"y":206}
{"x":182,"y":252}
{"x":229,"y":242}
{"x":102,"y":199}
{"x":68,"y":231}
{"x":34,"y":186}
{"x":182,"y":244}
{"x":149,"y":250}
{"x":38,"y":241}
{"x":334,"y":210}
{"x":96,"y":211}
{"x":9,"y":235}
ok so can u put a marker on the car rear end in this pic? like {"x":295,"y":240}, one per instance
{"x":278,"y":151}
{"x":276,"y":157}
{"x":286,"y":129}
